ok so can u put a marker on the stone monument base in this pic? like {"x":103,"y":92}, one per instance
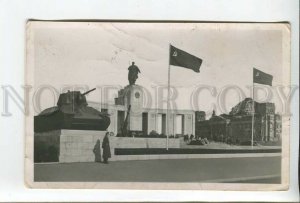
{"x":78,"y":145}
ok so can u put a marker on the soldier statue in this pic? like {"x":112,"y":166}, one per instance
{"x":133,"y":73}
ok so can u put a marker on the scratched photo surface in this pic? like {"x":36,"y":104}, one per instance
{"x":157,"y":105}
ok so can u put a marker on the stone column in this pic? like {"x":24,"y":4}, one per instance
{"x":134,"y":97}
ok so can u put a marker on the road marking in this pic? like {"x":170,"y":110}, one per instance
{"x":178,"y":156}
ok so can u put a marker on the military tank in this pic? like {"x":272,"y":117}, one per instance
{"x":72,"y":112}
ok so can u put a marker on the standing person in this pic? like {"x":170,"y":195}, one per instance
{"x":106,"y":148}
{"x":97,"y":151}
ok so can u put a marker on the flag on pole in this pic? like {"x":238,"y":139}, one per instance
{"x":184,"y":59}
{"x":261,"y":77}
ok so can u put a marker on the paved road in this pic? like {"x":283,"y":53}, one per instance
{"x":248,"y":170}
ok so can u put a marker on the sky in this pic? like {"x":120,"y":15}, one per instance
{"x":97,"y":54}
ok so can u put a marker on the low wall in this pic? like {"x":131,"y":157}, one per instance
{"x":78,"y":145}
{"x":131,"y":142}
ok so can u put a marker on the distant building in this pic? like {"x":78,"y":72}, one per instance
{"x":236,"y":127}
{"x":200,"y":116}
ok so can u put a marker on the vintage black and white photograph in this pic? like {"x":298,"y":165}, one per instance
{"x":158,"y":105}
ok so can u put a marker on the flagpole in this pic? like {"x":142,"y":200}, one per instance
{"x":168,"y":101}
{"x":253,"y":112}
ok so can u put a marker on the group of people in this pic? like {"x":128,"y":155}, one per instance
{"x":106,"y":149}
{"x":196,"y":139}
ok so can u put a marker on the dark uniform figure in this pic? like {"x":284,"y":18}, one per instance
{"x":106,"y":148}
{"x":97,"y":151}
{"x":133,"y":73}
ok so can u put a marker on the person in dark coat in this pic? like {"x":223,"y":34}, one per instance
{"x":97,"y":151}
{"x":106,"y":148}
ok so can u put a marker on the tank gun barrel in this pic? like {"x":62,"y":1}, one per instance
{"x":89,"y":91}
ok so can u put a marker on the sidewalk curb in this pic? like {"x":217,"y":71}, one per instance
{"x":180,"y":156}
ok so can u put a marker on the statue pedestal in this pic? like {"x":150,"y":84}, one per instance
{"x":132,"y":95}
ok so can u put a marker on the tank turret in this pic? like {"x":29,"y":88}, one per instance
{"x":72,"y":112}
{"x":71,"y":101}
